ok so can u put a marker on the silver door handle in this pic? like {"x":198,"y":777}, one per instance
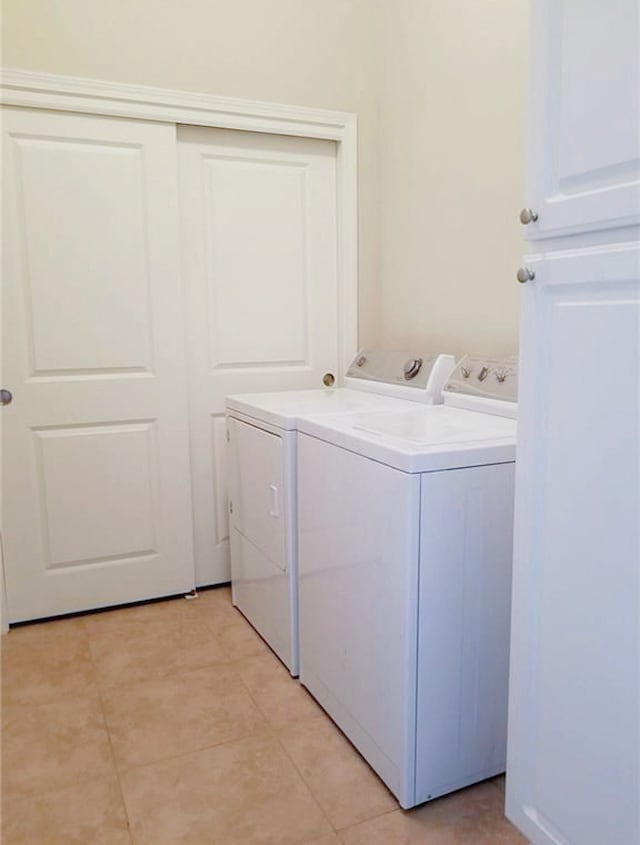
{"x":525,"y":274}
{"x":6,"y":397}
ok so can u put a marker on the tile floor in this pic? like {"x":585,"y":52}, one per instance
{"x":173,"y":724}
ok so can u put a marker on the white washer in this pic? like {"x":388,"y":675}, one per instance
{"x":262,"y":479}
{"x":405,"y":533}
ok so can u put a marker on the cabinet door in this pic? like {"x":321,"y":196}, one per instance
{"x":97,"y":504}
{"x":584,"y":157}
{"x":574,"y":687}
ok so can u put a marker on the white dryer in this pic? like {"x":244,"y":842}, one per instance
{"x":405,"y":534}
{"x":262,"y":478}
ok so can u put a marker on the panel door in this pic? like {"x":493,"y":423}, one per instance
{"x":97,"y":506}
{"x":574,"y":737}
{"x":259,"y":254}
{"x":584,"y":156}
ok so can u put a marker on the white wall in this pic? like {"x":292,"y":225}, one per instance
{"x":439,"y":89}
{"x":452,"y":98}
{"x":305,"y":52}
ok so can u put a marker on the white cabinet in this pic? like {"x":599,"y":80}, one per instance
{"x":584,"y":163}
{"x":574,"y":721}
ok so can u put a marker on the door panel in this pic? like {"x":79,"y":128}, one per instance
{"x":584,"y":160}
{"x":574,"y":734}
{"x":255,"y":214}
{"x":259,"y":252}
{"x":99,"y":236}
{"x":95,"y":442}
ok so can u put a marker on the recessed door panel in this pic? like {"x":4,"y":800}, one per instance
{"x":90,"y":477}
{"x":256,"y":261}
{"x":95,"y":442}
{"x":81,"y":216}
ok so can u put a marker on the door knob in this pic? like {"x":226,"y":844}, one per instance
{"x":525,"y":274}
{"x":528,"y":215}
{"x":6,"y":397}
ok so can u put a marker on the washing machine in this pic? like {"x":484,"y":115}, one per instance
{"x":405,"y":533}
{"x":261,"y":431}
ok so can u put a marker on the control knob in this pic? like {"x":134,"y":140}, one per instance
{"x":412,"y":368}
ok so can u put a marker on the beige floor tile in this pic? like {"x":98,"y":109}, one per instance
{"x":237,"y":638}
{"x":472,"y":816}
{"x":54,"y":745}
{"x":344,"y":785}
{"x":89,"y":812}
{"x":153,"y":720}
{"x":174,"y":608}
{"x":280,"y":697}
{"x":132,"y":650}
{"x":44,"y":662}
{"x":234,"y":794}
{"x":58,"y":630}
{"x":214,"y":596}
{"x":214,"y":606}
{"x":331,"y":839}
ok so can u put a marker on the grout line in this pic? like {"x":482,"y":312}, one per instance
{"x":108,"y":732}
{"x":304,"y":780}
{"x":273,"y":731}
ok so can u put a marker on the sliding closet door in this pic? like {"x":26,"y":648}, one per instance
{"x":259,"y":257}
{"x":97,"y":501}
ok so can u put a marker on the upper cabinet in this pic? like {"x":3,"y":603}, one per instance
{"x":584,"y":132}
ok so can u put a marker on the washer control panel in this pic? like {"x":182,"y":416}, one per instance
{"x":494,"y":378}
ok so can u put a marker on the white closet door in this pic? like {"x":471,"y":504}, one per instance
{"x":259,"y":255}
{"x":97,"y":506}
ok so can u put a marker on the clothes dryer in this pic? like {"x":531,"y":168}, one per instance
{"x":405,"y":535}
{"x":261,"y":429}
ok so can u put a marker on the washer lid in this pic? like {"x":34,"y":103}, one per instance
{"x":448,"y":426}
{"x":421,"y":438}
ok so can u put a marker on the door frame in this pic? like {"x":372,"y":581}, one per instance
{"x":55,"y":92}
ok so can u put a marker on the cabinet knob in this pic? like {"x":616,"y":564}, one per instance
{"x":525,"y":274}
{"x":328,"y":379}
{"x":6,"y":397}
{"x":528,"y":215}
